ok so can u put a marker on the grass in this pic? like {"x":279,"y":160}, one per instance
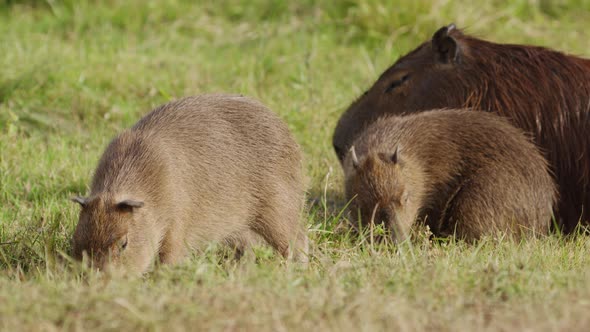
{"x":74,"y":73}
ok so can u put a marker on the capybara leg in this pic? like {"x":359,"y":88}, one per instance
{"x":289,"y":242}
{"x":299,"y":248}
{"x":242,"y":243}
{"x":479,"y":209}
{"x":279,"y":223}
{"x":482,"y":207}
{"x":465,"y":216}
{"x":172,"y":248}
{"x":284,"y":233}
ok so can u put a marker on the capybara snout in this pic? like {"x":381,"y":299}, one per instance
{"x":106,"y":233}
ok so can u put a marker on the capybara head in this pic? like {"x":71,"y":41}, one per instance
{"x":420,"y":80}
{"x":105,"y":234}
{"x":383,"y":189}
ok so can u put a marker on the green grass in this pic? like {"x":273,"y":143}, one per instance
{"x":74,"y":73}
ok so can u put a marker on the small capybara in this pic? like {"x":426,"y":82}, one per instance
{"x":544,"y":92}
{"x":463,"y":172}
{"x":211,"y":168}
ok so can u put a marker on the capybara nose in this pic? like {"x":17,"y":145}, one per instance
{"x":383,"y":216}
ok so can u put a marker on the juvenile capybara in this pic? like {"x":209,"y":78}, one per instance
{"x":463,"y":172}
{"x":544,"y":92}
{"x":211,"y":168}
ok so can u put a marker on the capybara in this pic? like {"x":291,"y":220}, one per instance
{"x":463,"y":172}
{"x":211,"y":168}
{"x":544,"y":92}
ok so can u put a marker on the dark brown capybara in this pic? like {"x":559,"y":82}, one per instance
{"x":460,"y":171}
{"x":209,"y":168}
{"x":544,"y":92}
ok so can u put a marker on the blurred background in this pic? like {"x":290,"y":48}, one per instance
{"x":75,"y":73}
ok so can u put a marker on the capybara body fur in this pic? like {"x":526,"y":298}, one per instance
{"x":544,"y":92}
{"x":211,"y":168}
{"x":462,"y":172}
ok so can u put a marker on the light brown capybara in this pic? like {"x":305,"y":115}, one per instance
{"x":462,"y":172}
{"x":211,"y":168}
{"x":544,"y":92}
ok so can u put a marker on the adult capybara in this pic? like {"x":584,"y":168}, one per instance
{"x":463,"y":172}
{"x":543,"y":92}
{"x":211,"y":168}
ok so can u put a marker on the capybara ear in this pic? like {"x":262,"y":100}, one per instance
{"x":128,"y":205}
{"x":390,"y":158}
{"x":355,"y":159}
{"x":444,"y":46}
{"x":394,"y":158}
{"x":80,"y":200}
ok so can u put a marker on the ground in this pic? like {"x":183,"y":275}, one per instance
{"x":74,"y":73}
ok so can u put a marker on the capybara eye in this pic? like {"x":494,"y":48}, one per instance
{"x":397,"y":83}
{"x":123,"y":243}
{"x":405,"y":198}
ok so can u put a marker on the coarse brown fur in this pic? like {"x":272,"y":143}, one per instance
{"x":544,"y":92}
{"x":464,"y":172}
{"x":211,"y":168}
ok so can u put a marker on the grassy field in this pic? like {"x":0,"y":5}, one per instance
{"x":74,"y":73}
